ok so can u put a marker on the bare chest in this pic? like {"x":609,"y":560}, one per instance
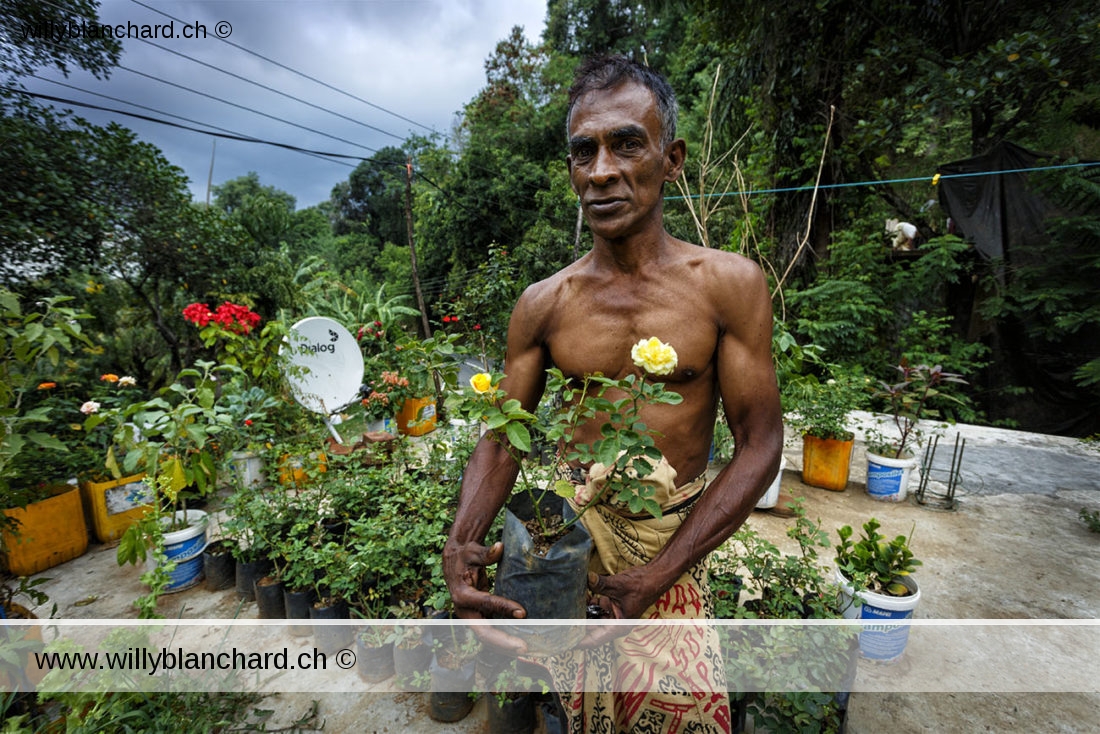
{"x":595,"y":331}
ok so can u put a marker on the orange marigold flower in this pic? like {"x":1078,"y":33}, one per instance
{"x":47,"y":385}
{"x":109,"y":377}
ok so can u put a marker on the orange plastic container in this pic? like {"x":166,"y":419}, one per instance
{"x":825,"y":462}
{"x":417,"y":416}
{"x":50,"y":532}
{"x":113,"y":506}
{"x":296,"y":470}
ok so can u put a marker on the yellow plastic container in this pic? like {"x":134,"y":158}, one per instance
{"x":417,"y":416}
{"x":296,"y":470}
{"x":50,"y":532}
{"x":825,"y":462}
{"x":113,"y":506}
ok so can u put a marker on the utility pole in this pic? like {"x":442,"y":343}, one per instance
{"x":210,"y":176}
{"x":412,"y":249}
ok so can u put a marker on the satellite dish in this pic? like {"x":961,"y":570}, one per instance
{"x":325,"y":366}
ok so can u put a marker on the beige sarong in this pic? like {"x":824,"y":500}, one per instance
{"x":665,"y":679}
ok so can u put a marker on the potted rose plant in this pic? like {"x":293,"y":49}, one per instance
{"x":542,"y":533}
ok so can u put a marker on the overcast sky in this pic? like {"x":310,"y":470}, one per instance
{"x":420,"y":60}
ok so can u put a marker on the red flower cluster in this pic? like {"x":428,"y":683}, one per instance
{"x":238,"y":319}
{"x":450,"y":319}
{"x":377,"y":332}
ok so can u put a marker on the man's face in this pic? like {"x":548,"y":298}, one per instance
{"x":617,"y":164}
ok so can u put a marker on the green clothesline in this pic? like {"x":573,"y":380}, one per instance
{"x":933,"y":180}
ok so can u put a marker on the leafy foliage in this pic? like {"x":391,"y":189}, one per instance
{"x":873,"y":562}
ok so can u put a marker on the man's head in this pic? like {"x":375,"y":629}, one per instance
{"x":607,"y":72}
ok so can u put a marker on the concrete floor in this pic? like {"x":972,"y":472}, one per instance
{"x":1014,"y":549}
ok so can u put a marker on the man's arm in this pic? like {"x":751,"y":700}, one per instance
{"x":488,"y":481}
{"x":750,"y":396}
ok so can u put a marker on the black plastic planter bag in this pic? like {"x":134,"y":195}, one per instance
{"x":553,"y":586}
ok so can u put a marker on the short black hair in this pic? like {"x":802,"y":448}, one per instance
{"x":606,"y":71}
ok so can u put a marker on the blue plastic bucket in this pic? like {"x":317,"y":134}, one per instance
{"x":888,"y":479}
{"x":885,"y":630}
{"x":185,"y":547}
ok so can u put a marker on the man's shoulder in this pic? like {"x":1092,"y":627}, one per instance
{"x":716,"y":262}
{"x":554,"y":287}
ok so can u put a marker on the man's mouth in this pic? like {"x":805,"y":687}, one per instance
{"x":602,"y":206}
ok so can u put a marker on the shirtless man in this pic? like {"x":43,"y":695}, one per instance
{"x":637,"y":281}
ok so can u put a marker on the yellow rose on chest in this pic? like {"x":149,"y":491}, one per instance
{"x":482,"y":383}
{"x":654,"y":356}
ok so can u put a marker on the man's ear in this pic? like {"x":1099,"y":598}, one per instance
{"x":569,"y":170}
{"x":675,"y":154}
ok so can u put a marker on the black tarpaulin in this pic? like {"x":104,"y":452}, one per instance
{"x":995,"y":210}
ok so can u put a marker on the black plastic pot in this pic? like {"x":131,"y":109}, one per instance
{"x":218,"y":566}
{"x":411,"y":664}
{"x":515,"y":715}
{"x":554,"y":586}
{"x":247,"y":573}
{"x":269,"y":598}
{"x":331,"y":638}
{"x":554,"y":720}
{"x":451,"y":698}
{"x":375,"y":664}
{"x":297,"y":605}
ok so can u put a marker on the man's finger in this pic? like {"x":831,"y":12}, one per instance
{"x":500,"y":639}
{"x":601,"y":634}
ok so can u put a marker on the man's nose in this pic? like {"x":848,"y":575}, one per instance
{"x":604,"y":168}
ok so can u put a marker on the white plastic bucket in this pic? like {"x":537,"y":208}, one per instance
{"x":880,"y":642}
{"x":888,"y":479}
{"x":185,"y":547}
{"x":771,"y":497}
{"x":248,"y":469}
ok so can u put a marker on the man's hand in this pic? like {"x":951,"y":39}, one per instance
{"x":622,"y":596}
{"x":464,"y":569}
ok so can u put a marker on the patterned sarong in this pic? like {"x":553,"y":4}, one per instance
{"x":666,"y":679}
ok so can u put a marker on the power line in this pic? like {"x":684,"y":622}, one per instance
{"x":246,"y":108}
{"x":147,"y":118}
{"x":295,"y":71}
{"x":270,"y":89}
{"x":236,"y":135}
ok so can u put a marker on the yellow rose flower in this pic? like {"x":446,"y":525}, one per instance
{"x":654,"y":356}
{"x":482,"y":383}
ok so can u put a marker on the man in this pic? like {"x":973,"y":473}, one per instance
{"x":713,"y":307}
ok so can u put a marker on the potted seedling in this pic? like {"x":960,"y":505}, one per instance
{"x":892,"y":453}
{"x":875,"y":575}
{"x":820,"y":413}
